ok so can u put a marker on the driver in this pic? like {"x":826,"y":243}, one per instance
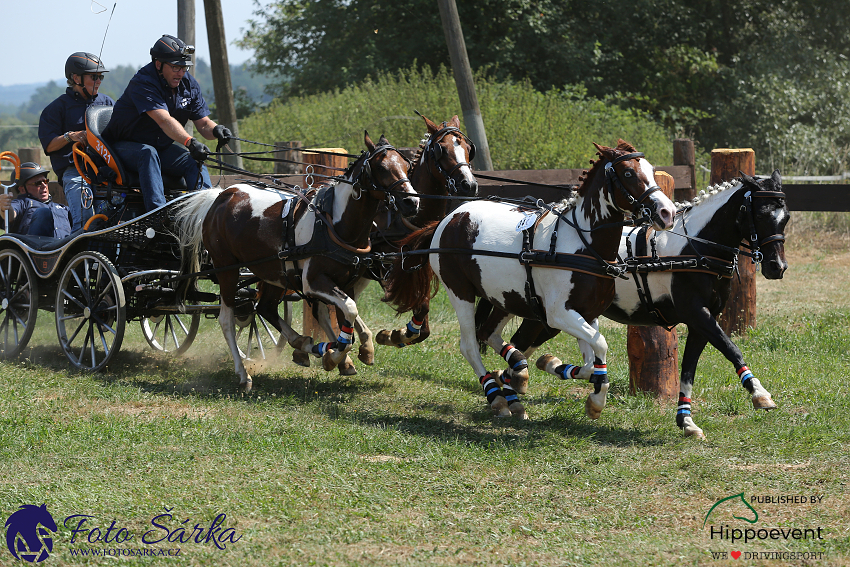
{"x":148,"y":124}
{"x":33,"y":211}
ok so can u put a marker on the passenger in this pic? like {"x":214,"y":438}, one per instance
{"x":33,"y":211}
{"x":62,"y":123}
{"x":151,"y":116}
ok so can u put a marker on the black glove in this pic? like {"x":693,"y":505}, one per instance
{"x":222,"y":133}
{"x":197,"y":150}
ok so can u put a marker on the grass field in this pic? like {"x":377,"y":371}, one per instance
{"x":403,"y":464}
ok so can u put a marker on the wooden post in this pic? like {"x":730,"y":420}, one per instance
{"x":654,"y":351}
{"x":310,"y":325}
{"x":30,"y":154}
{"x":224,"y":103}
{"x":290,"y":153}
{"x":186,"y":32}
{"x":683,"y":154}
{"x":465,"y":86}
{"x":740,"y":311}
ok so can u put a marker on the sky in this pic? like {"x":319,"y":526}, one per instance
{"x":43,"y":33}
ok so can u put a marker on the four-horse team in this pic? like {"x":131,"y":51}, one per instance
{"x":141,"y":206}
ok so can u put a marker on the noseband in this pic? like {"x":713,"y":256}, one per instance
{"x":613,"y":179}
{"x":436,"y":151}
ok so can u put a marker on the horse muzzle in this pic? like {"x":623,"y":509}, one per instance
{"x":408,"y":206}
{"x":773,"y":265}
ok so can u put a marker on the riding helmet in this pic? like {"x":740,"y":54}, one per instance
{"x":81,"y":63}
{"x":28,"y":171}
{"x":172,"y":50}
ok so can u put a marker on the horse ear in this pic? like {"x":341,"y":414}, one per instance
{"x":747,"y":178}
{"x":777,"y":178}
{"x":603,"y":150}
{"x":368,"y":141}
{"x":383,"y":141}
{"x":431,"y":126}
{"x":455,"y":121}
{"x":624,"y":145}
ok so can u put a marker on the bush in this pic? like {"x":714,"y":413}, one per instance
{"x":526,"y":129}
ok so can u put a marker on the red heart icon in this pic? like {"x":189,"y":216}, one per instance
{"x":736,"y":554}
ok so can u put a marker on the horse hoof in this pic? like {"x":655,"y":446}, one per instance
{"x":500,"y":407}
{"x":366,"y":356}
{"x":246,"y":385}
{"x":328,"y":362}
{"x":519,"y":380}
{"x":694,"y":432}
{"x":497,"y":376}
{"x":383,"y":338}
{"x":764,"y":402}
{"x":518,"y":411}
{"x":347,"y":368}
{"x":592,"y":410}
{"x":547,"y":362}
{"x":301,"y":358}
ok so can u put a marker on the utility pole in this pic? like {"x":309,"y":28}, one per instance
{"x":186,"y":32}
{"x":221,"y":75}
{"x":465,"y":86}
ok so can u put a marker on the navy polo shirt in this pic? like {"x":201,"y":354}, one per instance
{"x":65,"y":114}
{"x":148,"y":91}
{"x":25,"y":208}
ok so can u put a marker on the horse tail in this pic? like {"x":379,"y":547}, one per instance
{"x":188,"y":217}
{"x":411,"y":281}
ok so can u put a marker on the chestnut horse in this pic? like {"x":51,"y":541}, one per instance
{"x":315,"y":247}
{"x":528,"y":263}
{"x":701,"y":254}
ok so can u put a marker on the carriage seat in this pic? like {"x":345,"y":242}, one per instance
{"x":99,"y":164}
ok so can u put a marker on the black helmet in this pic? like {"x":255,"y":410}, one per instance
{"x":80,"y":63}
{"x":28,"y":171}
{"x":172,"y":50}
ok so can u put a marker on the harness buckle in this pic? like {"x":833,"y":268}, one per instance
{"x":526,"y":256}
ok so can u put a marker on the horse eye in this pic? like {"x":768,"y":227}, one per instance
{"x":627,"y":173}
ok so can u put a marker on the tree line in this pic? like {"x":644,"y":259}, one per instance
{"x":767,"y":74}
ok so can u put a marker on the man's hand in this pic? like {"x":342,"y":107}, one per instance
{"x":5,"y":203}
{"x":197,"y":150}
{"x":222,"y":133}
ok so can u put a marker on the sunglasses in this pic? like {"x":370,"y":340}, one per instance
{"x":95,"y":77}
{"x":37,"y":183}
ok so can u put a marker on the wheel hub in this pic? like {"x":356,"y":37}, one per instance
{"x":86,"y":313}
{"x":4,"y":304}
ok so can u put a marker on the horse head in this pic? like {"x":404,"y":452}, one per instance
{"x":384,"y":175}
{"x":630,"y":180}
{"x":762,"y":219}
{"x":448,"y":154}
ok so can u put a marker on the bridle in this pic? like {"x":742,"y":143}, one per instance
{"x":747,"y":207}
{"x":436,"y":150}
{"x":637,"y":204}
{"x":365,"y":179}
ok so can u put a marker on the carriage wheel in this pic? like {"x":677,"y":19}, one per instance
{"x":90,"y":311}
{"x":256,"y":338}
{"x":18,"y":303}
{"x":173,"y":332}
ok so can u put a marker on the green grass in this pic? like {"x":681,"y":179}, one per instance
{"x":404,"y":465}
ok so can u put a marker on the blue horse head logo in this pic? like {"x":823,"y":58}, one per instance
{"x":29,"y":533}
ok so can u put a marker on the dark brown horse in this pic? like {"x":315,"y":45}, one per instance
{"x":532,"y":264}
{"x":313,"y":247}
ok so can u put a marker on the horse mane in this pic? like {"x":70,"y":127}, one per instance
{"x":707,"y":193}
{"x":418,"y":155}
{"x":623,"y":148}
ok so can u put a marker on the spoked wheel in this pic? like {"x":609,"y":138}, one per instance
{"x":255,"y":336}
{"x":173,"y":332}
{"x":90,"y":311}
{"x":18,"y":303}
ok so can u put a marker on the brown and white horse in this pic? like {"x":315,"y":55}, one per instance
{"x":313,"y":247}
{"x":510,"y":254}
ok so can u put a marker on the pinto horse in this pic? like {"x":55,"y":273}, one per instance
{"x":314,"y":247}
{"x":700,"y":253}
{"x":556,"y":267}
{"x":441,"y":171}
